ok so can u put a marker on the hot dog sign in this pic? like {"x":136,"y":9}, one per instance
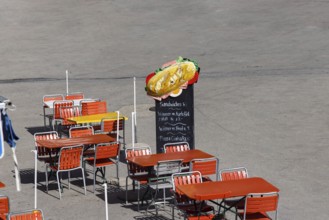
{"x":171,"y":78}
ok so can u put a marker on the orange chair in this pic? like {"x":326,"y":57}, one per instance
{"x":106,"y":154}
{"x":176,"y":147}
{"x":206,"y":166}
{"x":257,"y":206}
{"x":68,"y":112}
{"x":91,"y":108}
{"x":70,"y":158}
{"x":36,"y":214}
{"x":53,"y":97}
{"x":75,"y":95}
{"x":233,"y":174}
{"x":114,"y":126}
{"x":43,"y":154}
{"x":56,"y":111}
{"x":4,"y":207}
{"x":136,"y":173}
{"x":190,"y":208}
{"x":81,"y":131}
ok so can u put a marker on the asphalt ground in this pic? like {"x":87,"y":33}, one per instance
{"x":261,"y":100}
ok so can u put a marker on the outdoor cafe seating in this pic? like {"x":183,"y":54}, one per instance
{"x":162,"y":180}
{"x":35,"y":214}
{"x":70,"y":158}
{"x":135,"y":172}
{"x":189,"y":208}
{"x":105,"y":154}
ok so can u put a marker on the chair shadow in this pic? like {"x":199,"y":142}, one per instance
{"x":152,"y":217}
{"x":33,"y":130}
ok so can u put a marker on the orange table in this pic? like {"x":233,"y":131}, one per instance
{"x":2,"y":185}
{"x":152,"y":159}
{"x":88,"y":140}
{"x":226,"y":189}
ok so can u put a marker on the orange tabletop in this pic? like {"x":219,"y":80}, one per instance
{"x":152,"y":159}
{"x":2,"y":185}
{"x":226,"y":189}
{"x":87,"y":140}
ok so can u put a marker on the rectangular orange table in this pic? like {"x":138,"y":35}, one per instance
{"x":226,"y":189}
{"x":152,"y":159}
{"x":2,"y":185}
{"x":88,"y":140}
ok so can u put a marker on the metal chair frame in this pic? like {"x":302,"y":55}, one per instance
{"x":136,"y":173}
{"x":106,"y":154}
{"x":35,"y":214}
{"x":65,"y":159}
{"x":207,"y":166}
{"x":257,"y":206}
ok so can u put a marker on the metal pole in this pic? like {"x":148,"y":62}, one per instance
{"x":35,"y":177}
{"x":67,"y":82}
{"x":106,"y":206}
{"x":135,"y":120}
{"x":132,"y":129}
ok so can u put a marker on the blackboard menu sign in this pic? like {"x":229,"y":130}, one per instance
{"x":175,"y":119}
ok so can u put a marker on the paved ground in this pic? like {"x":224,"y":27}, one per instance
{"x":261,"y":101}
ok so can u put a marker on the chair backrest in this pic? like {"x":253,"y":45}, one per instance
{"x":4,"y":207}
{"x":107,"y":150}
{"x":206,"y":166}
{"x":168,"y":167}
{"x":261,"y":203}
{"x":110,"y":125}
{"x":26,"y":215}
{"x":233,"y":173}
{"x":184,"y":178}
{"x":70,"y":157}
{"x":91,"y":108}
{"x":52,"y":97}
{"x":49,"y":135}
{"x":75,"y":95}
{"x":176,"y":147}
{"x":68,"y":112}
{"x":81,"y":131}
{"x":57,"y":105}
{"x":134,"y":169}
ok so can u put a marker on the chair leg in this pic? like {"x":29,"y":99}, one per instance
{"x":117,"y":166}
{"x":46,"y":177}
{"x":44,"y":116}
{"x":94,"y":179}
{"x":84,"y":180}
{"x":127,"y":190}
{"x":69,"y":175}
{"x":138,"y":190}
{"x":59,"y":185}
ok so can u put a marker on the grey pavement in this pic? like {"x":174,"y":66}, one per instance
{"x":261,"y":100}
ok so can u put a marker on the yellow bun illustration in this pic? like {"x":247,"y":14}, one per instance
{"x":170,"y":78}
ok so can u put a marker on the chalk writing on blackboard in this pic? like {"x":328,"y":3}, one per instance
{"x":175,"y":119}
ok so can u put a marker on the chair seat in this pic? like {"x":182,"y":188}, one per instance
{"x":48,"y":159}
{"x":235,"y":202}
{"x":193,"y":209}
{"x":89,"y":154}
{"x":143,"y":179}
{"x":100,"y":162}
{"x":256,"y":216}
{"x":202,"y":217}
